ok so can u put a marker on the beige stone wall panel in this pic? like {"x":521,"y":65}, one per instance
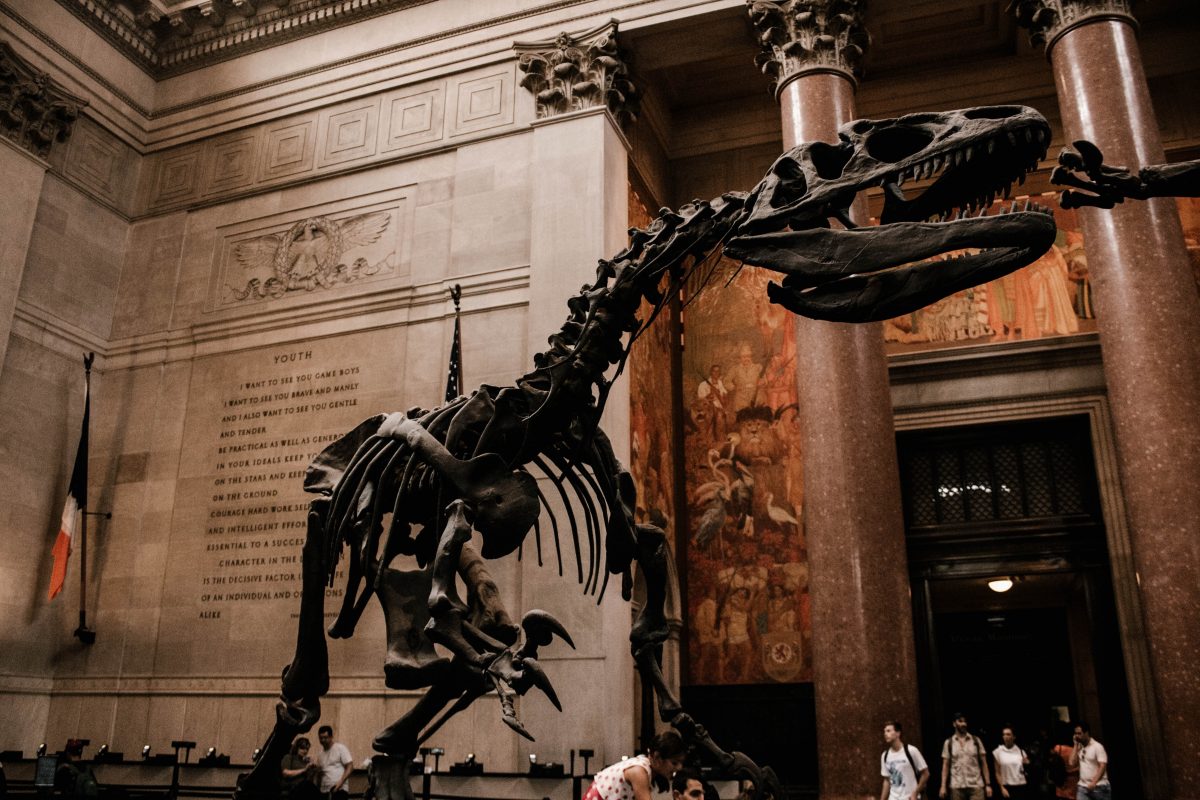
{"x":490,"y":224}
{"x":147,"y":287}
{"x":99,"y":164}
{"x":413,"y":117}
{"x":230,"y":162}
{"x":348,"y":134}
{"x":395,"y":125}
{"x":176,"y":178}
{"x":18,"y":206}
{"x":287,"y":149}
{"x":74,"y":260}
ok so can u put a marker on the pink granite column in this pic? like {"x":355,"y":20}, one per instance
{"x":864,"y":661}
{"x":864,"y":657}
{"x":1148,"y":311}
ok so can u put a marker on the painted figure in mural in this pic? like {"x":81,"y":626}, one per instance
{"x":713,"y":393}
{"x":744,"y":379}
{"x":419,"y":483}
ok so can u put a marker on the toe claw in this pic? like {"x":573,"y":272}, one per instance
{"x":537,"y":677}
{"x":540,"y":628}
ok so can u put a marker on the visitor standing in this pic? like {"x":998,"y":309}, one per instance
{"x":297,"y":771}
{"x":335,"y":763}
{"x":1093,"y":765}
{"x":964,"y":765}
{"x":1011,"y":762}
{"x":902,"y":766}
{"x":1061,"y":767}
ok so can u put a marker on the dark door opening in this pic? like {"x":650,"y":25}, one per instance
{"x":1007,"y":667}
{"x":1019,"y":502}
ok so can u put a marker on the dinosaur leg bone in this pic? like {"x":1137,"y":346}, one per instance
{"x":448,"y":615}
{"x":306,"y":679}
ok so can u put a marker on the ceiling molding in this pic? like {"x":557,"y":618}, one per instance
{"x":170,"y":37}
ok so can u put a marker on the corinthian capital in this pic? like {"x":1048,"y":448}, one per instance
{"x":1049,"y":19}
{"x":573,"y":72}
{"x":34,"y":111}
{"x":799,"y":36}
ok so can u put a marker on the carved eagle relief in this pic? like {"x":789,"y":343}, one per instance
{"x":309,"y":254}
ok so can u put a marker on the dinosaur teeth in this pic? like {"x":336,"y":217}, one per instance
{"x":892,"y":189}
{"x":1012,"y":138}
{"x":842,"y":215}
{"x":968,"y":152}
{"x":991,"y":146}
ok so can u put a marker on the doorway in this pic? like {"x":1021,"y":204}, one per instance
{"x":1012,"y":596}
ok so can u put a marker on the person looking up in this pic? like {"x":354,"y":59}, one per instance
{"x":902,"y":766}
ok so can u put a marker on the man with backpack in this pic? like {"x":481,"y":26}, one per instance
{"x":902,"y":766}
{"x":964,"y":765}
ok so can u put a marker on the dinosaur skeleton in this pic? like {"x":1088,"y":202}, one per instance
{"x":1083,"y":168}
{"x":417,"y":483}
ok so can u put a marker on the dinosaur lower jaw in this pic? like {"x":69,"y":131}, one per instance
{"x":882,"y":272}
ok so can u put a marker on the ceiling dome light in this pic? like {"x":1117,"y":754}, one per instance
{"x":1000,"y":584}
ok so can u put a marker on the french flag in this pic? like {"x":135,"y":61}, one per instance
{"x":76,"y":496}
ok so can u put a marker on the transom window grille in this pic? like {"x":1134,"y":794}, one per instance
{"x":997,"y":472}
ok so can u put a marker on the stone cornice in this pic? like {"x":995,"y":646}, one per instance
{"x":35,"y":112}
{"x":172,"y":40}
{"x":1047,"y":20}
{"x":575,"y":72}
{"x":802,"y":36}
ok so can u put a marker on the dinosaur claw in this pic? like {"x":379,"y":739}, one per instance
{"x":540,"y":628}
{"x":516,"y":725}
{"x":537,"y":676}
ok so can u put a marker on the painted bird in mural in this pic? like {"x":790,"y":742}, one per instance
{"x":780,"y":515}
{"x":419,"y":483}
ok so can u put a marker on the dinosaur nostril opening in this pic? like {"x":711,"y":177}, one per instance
{"x":897,"y":143}
{"x":992,"y":112}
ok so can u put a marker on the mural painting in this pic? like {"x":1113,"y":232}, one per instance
{"x":1050,"y":297}
{"x":747,"y":571}
{"x":652,"y":432}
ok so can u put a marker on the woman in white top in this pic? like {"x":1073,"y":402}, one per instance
{"x":1010,"y":767}
{"x":630,"y":778}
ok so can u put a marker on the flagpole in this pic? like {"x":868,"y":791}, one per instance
{"x":85,"y":634}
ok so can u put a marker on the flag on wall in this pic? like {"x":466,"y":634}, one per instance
{"x":454,"y":377}
{"x":76,"y":493}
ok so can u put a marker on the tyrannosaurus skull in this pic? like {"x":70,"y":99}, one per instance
{"x":856,"y":274}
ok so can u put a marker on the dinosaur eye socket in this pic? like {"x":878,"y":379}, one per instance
{"x":992,"y":112}
{"x":792,"y":184}
{"x":828,"y":160}
{"x":897,"y":143}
